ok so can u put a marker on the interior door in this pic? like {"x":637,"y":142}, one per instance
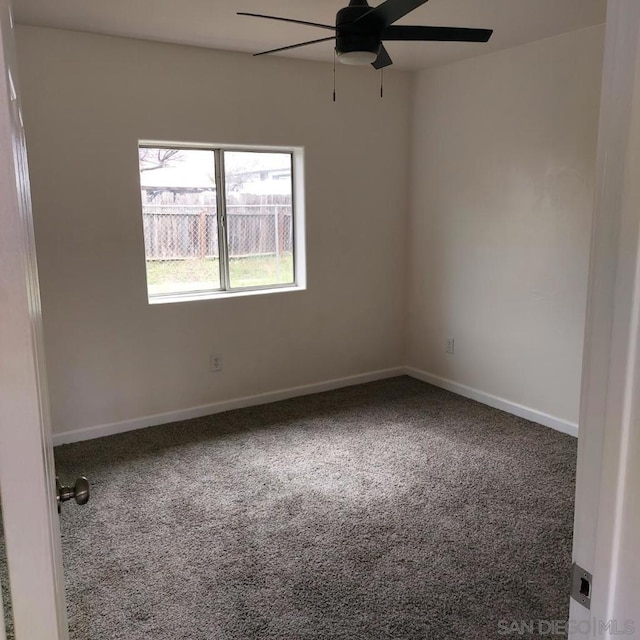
{"x":27,"y":483}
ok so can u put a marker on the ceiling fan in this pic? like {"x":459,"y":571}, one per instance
{"x":360,"y":31}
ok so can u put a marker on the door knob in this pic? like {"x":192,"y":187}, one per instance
{"x":79,"y":492}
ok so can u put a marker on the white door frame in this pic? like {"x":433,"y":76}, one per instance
{"x":608,"y":399}
{"x":612,"y":328}
{"x":27,"y":483}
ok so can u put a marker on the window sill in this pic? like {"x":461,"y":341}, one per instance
{"x":219,"y":295}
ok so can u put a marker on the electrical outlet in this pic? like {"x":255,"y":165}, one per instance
{"x":216,"y":363}
{"x":449,"y":346}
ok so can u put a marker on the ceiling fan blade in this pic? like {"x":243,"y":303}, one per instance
{"x":294,"y":46}
{"x":310,"y":24}
{"x":383,"y":60}
{"x":388,"y":12}
{"x":440,"y":34}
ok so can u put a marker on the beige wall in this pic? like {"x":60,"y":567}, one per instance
{"x":113,"y":357}
{"x":503,"y":163}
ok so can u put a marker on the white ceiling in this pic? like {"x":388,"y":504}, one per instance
{"x":214,"y":23}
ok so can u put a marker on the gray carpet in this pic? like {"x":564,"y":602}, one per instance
{"x":4,"y":585}
{"x":392,"y":510}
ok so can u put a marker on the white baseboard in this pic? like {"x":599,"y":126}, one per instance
{"x":494,"y":401}
{"x":98,"y":431}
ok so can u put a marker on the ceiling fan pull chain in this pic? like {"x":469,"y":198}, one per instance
{"x":334,"y":74}
{"x":382,"y":83}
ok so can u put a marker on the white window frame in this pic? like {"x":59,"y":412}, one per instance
{"x":297,"y":221}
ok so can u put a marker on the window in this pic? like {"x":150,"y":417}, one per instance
{"x":219,"y":221}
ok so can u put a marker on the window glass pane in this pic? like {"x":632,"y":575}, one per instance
{"x":259,"y":218}
{"x":180,"y":220}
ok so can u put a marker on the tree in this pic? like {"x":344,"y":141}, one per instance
{"x":151,"y":158}
{"x":238,"y":168}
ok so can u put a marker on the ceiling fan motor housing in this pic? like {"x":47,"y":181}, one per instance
{"x":350,"y":36}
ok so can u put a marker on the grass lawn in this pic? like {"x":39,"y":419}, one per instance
{"x":170,"y":276}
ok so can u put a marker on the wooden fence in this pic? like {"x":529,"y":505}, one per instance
{"x":181,"y":231}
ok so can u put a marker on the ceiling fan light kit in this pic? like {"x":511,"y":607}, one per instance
{"x":358,"y":57}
